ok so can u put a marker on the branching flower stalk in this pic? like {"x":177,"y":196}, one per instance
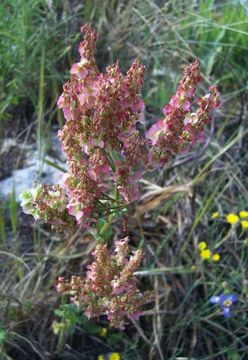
{"x":106,"y":155}
{"x":110,"y":287}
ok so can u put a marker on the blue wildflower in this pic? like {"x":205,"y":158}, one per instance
{"x":225,"y":302}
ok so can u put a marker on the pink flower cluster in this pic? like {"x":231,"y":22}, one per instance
{"x":47,"y":203}
{"x":181,"y":126}
{"x":104,"y":149}
{"x":99,"y":139}
{"x":110,"y":287}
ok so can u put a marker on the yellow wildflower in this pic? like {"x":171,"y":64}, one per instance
{"x":202,"y":245}
{"x":103,"y":331}
{"x":244,"y":224}
{"x":216,"y":257}
{"x":100,"y":357}
{"x":243,"y":214}
{"x":114,"y":356}
{"x":232,"y":218}
{"x":215,"y":215}
{"x":205,"y":254}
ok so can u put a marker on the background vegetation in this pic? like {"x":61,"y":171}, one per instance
{"x":38,"y":41}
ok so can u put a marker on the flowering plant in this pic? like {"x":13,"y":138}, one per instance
{"x":103,"y":148}
{"x":225,"y":301}
{"x":106,"y":155}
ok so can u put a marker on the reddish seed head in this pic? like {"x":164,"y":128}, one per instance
{"x":110,"y":287}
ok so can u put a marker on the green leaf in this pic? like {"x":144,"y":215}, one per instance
{"x":114,"y":338}
{"x":3,"y":336}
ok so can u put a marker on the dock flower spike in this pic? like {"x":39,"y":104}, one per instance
{"x":225,"y":301}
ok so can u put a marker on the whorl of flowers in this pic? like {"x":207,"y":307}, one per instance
{"x":110,"y":287}
{"x":104,"y":150}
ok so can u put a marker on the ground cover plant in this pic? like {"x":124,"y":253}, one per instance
{"x":189,"y":219}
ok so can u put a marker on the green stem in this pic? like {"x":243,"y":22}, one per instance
{"x":107,"y":225}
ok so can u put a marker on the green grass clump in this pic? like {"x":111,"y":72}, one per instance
{"x":35,"y":35}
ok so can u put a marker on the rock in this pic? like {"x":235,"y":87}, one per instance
{"x":34,"y":170}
